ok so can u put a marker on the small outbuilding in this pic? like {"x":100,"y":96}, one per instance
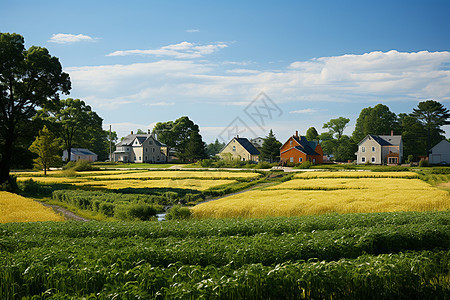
{"x":77,"y":154}
{"x":440,"y":154}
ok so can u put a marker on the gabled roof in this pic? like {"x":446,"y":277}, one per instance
{"x":129,"y":139}
{"x":384,"y":140}
{"x":247,"y":146}
{"x":81,"y":151}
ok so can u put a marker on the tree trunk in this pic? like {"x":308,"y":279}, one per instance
{"x":5,"y":164}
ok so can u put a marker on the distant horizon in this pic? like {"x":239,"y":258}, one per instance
{"x":139,"y":63}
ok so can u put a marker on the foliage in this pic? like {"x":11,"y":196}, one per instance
{"x":345,"y":149}
{"x":78,"y":126}
{"x":28,"y":79}
{"x":183,"y":136}
{"x":80,"y":165}
{"x":378,"y":120}
{"x":305,"y":165}
{"x":414,"y":136}
{"x":270,"y":150}
{"x":432,"y":115}
{"x":312,"y":134}
{"x":423,"y":163}
{"x":46,"y":146}
{"x":178,"y":212}
{"x":337,"y":126}
{"x":214,"y":148}
{"x":390,"y":255}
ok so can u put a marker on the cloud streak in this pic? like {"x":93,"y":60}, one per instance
{"x":183,"y":50}
{"x":66,"y":38}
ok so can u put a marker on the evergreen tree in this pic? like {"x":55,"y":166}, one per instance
{"x":270,"y":150}
{"x":312,"y":134}
{"x":214,"y":148}
{"x":432,"y":115}
{"x":46,"y":146}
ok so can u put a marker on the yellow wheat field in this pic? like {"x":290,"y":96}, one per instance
{"x":54,"y":180}
{"x":257,"y":204}
{"x":353,"y":183}
{"x":180,"y":174}
{"x":357,"y":174}
{"x":15,"y":208}
{"x":193,"y":184}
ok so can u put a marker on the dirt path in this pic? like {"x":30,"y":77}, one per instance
{"x":68,"y":215}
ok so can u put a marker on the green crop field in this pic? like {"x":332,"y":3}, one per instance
{"x":354,"y":256}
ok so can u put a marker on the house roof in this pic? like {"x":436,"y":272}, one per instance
{"x":81,"y":151}
{"x":384,"y":140}
{"x":128,"y":140}
{"x":307,"y":147}
{"x":248,"y":146}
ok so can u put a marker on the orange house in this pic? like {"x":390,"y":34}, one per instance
{"x":298,"y":149}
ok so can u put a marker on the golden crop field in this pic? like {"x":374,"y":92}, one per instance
{"x":353,"y":183}
{"x":181,"y":175}
{"x":51,"y":179}
{"x":356,"y":174}
{"x":15,"y":208}
{"x":193,"y":184}
{"x":329,"y":194}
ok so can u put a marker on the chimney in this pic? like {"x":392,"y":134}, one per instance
{"x":148,"y":131}
{"x":237,"y":136}
{"x":392,"y":132}
{"x":131,"y":131}
{"x":296,"y":133}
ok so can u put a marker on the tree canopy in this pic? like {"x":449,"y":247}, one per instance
{"x":270,"y":149}
{"x":312,"y":134}
{"x":432,"y":115}
{"x":337,"y":126}
{"x":28,"y":79}
{"x":378,"y":120}
{"x":214,"y":148}
{"x":46,"y":146}
{"x":182,"y":135}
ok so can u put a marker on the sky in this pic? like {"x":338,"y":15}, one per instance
{"x":242,"y":67}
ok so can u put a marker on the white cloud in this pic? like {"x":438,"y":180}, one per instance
{"x":303,"y":111}
{"x":65,"y":38}
{"x":184,"y":50}
{"x":367,"y":78}
{"x":162,"y":103}
{"x":192,"y":30}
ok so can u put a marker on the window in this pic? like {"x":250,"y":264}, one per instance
{"x":290,"y":142}
{"x":373,"y":159}
{"x":234,"y":148}
{"x":153,"y":149}
{"x":139,"y":158}
{"x":363,"y":149}
{"x":363,"y":159}
{"x":314,"y":160}
{"x":146,"y":149}
{"x":292,"y":160}
{"x":300,"y":159}
{"x":373,"y":149}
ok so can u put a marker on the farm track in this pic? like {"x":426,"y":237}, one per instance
{"x":68,"y":215}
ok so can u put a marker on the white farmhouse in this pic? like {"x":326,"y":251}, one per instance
{"x":140,"y":148}
{"x":440,"y":154}
{"x":380,"y":149}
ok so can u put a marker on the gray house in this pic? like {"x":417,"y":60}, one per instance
{"x":440,"y":154}
{"x":380,"y":149}
{"x":77,"y":154}
{"x":140,"y":148}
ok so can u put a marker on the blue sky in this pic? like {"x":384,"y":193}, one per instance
{"x":140,"y":62}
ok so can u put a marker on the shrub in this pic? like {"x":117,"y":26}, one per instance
{"x":139,"y":211}
{"x":263,"y":165}
{"x":178,"y":212}
{"x":10,"y":185}
{"x":410,"y":159}
{"x":107,"y":209}
{"x":306,"y":165}
{"x":423,"y":163}
{"x":81,"y":165}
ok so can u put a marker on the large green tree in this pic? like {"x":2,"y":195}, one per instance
{"x":78,"y":126}
{"x":337,"y":126}
{"x":378,"y":120}
{"x":214,"y":148}
{"x":432,"y":115}
{"x":270,"y":150}
{"x":46,"y":146}
{"x":414,"y":136}
{"x":312,"y":134}
{"x":28,"y":79}
{"x":179,"y":135}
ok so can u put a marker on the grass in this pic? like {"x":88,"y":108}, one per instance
{"x":15,"y":208}
{"x":181,"y":175}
